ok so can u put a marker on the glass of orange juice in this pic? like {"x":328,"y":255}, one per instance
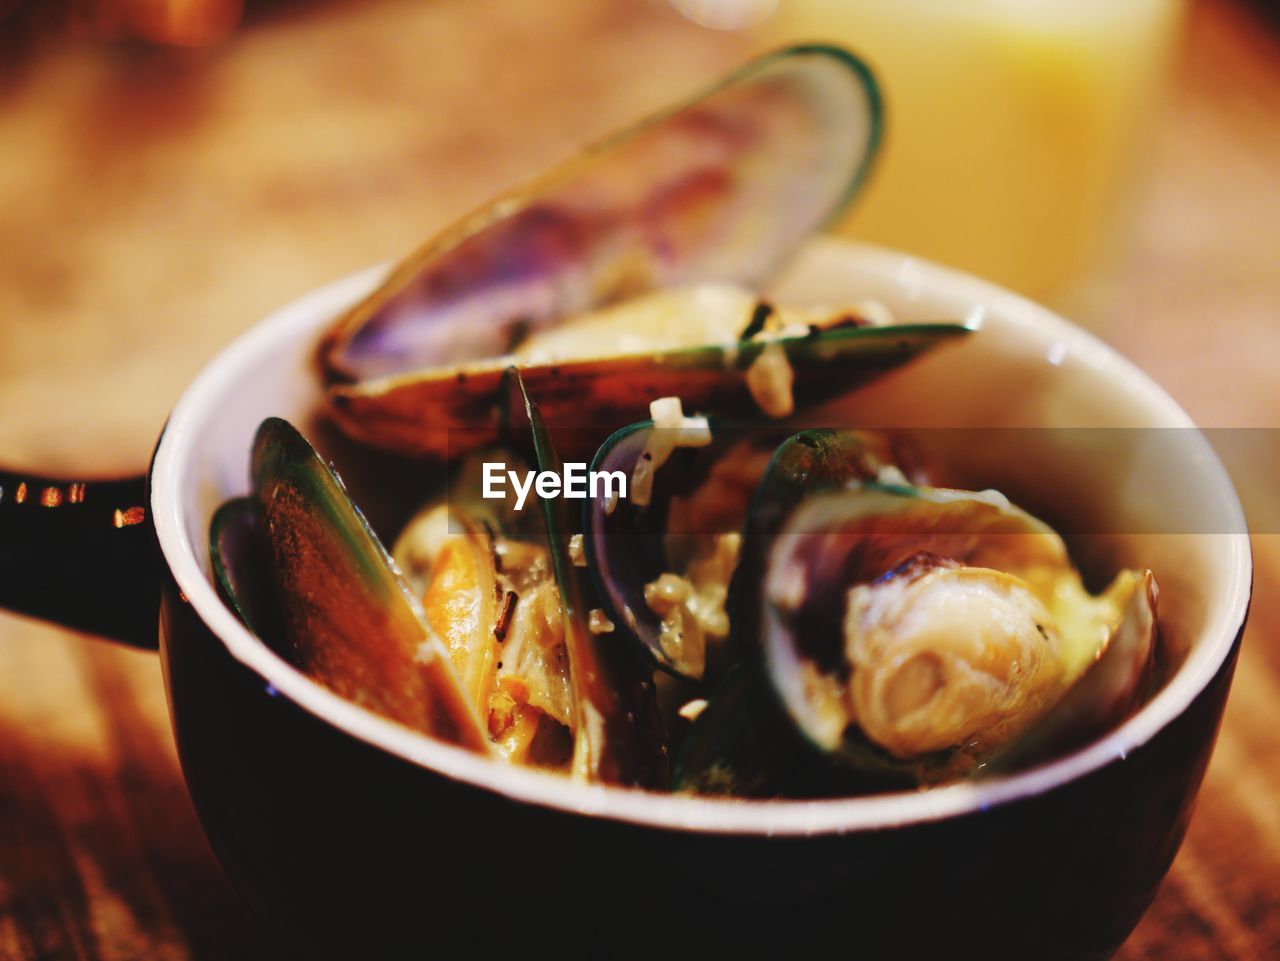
{"x":1012,"y":125}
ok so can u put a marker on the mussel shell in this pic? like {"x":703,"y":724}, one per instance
{"x":626,"y":542}
{"x":815,"y":460}
{"x":744,"y":744}
{"x":807,"y":463}
{"x":347,"y":617}
{"x":1110,"y":689}
{"x":240,"y":568}
{"x":721,"y":187}
{"x":834,"y":541}
{"x":447,"y":411}
{"x":741,"y":745}
{"x":618,"y":732}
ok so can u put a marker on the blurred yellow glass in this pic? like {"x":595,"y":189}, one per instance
{"x":1012,"y":125}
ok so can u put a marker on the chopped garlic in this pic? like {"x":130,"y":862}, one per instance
{"x":875,"y":313}
{"x":666,"y":411}
{"x":692,"y":709}
{"x":787,"y":586}
{"x":668,"y":414}
{"x":672,"y":429}
{"x":798,"y":321}
{"x":770,"y":379}
{"x":692,"y":608}
{"x":667,"y":593}
{"x":598,"y":622}
{"x":663,"y":319}
{"x":890,"y":474}
{"x":576,"y":552}
{"x":795,"y":330}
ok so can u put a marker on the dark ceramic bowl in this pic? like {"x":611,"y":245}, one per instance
{"x":354,"y":836}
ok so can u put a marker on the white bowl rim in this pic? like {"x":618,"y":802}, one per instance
{"x":668,"y":811}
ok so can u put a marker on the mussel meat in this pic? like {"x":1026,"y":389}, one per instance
{"x":937,"y":627}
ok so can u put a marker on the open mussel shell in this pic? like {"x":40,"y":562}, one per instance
{"x":807,"y":463}
{"x":698,"y":495}
{"x":240,"y":567}
{"x":720,"y":189}
{"x":618,"y":732}
{"x":1114,"y":685}
{"x":815,"y":460}
{"x":835,"y":541}
{"x":742,"y":483}
{"x":976,"y":553}
{"x":451,"y":411}
{"x":744,"y":742}
{"x":346,"y":617}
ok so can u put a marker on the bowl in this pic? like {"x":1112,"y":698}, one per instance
{"x":353,"y":835}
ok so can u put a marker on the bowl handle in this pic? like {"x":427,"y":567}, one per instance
{"x":82,"y":554}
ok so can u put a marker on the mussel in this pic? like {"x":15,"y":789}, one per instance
{"x":936,"y":627}
{"x":911,"y":635}
{"x":482,"y":641}
{"x":345,"y":615}
{"x":663,"y":558}
{"x":619,"y":734}
{"x":696,"y":208}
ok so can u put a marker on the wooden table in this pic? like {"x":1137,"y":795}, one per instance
{"x":154,"y":206}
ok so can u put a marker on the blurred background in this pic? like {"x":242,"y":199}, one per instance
{"x":172,"y":170}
